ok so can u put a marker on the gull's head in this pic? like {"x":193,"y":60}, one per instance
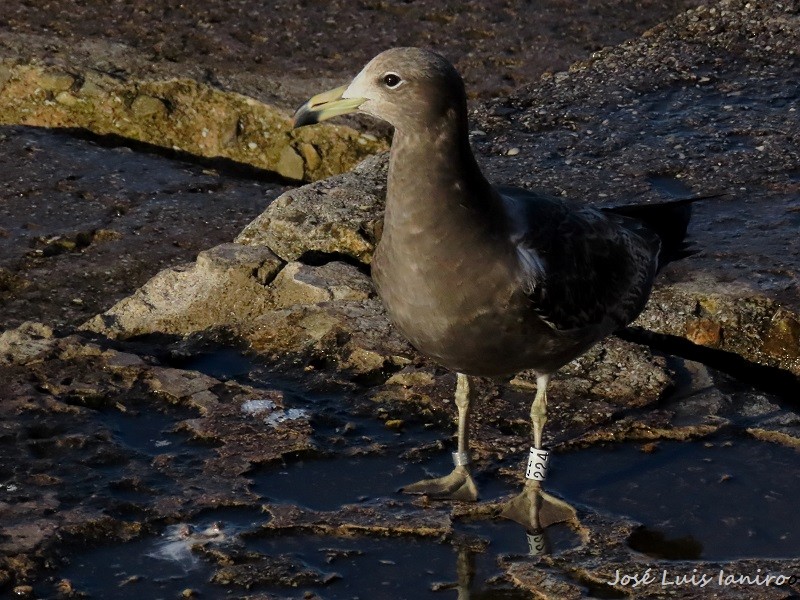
{"x":409,"y":88}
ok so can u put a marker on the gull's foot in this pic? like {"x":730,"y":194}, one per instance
{"x":535,"y":509}
{"x":458,"y":485}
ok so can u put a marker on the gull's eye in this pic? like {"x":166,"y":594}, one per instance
{"x":392,"y":80}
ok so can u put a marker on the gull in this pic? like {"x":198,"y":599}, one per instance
{"x":490,"y":280}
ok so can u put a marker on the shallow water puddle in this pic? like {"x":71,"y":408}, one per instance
{"x":224,"y":363}
{"x":717,"y":500}
{"x":150,"y":435}
{"x":335,"y":568}
{"x":721,"y":499}
{"x":398,"y":568}
{"x":146,"y":431}
{"x":155,"y":567}
{"x":327,"y":484}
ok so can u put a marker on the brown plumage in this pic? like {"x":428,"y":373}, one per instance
{"x":488,"y":280}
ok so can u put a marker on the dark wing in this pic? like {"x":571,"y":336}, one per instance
{"x":579,"y":266}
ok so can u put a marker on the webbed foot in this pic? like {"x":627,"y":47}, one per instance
{"x":458,"y":485}
{"x":536,"y":510}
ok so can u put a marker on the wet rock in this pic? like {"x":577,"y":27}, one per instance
{"x":410,"y":377}
{"x":351,"y":333}
{"x":340,"y":215}
{"x":66,"y":589}
{"x":147,"y":106}
{"x":9,"y":281}
{"x":625,"y":374}
{"x":251,"y":427}
{"x":298,"y":283}
{"x":783,"y":337}
{"x":324,"y":311}
{"x":276,"y":571}
{"x":310,"y":155}
{"x":769,"y":420}
{"x":361,"y":360}
{"x":327,"y":310}
{"x":175,"y":113}
{"x":591,"y":395}
{"x":776,"y":435}
{"x":546,"y":584}
{"x":597,"y":567}
{"x":24,"y":343}
{"x":176,"y":384}
{"x":730,"y":318}
{"x":224,"y":287}
{"x":358,"y":520}
{"x":23,"y":591}
{"x":292,"y":330}
{"x":290,"y":164}
{"x":701,"y":401}
{"x":53,"y":81}
{"x":96,"y":431}
{"x":427,"y":392}
{"x":691,"y":405}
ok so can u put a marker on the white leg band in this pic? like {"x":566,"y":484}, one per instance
{"x":460,"y":459}
{"x":536,"y":543}
{"x":538,"y":460}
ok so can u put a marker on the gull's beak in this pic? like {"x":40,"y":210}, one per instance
{"x":325,"y":106}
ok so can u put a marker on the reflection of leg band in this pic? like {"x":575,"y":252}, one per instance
{"x":538,"y":460}
{"x":536,"y":543}
{"x":460,"y":459}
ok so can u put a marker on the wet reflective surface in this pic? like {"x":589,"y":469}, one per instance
{"x":164,"y":566}
{"x":722,"y":498}
{"x":718,"y":499}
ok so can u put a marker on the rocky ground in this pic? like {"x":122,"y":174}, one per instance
{"x":281,"y":53}
{"x":133,"y":419}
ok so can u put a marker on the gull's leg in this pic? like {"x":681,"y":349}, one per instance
{"x":465,"y":571}
{"x":458,"y":485}
{"x":534,"y":508}
{"x":463,"y":401}
{"x":539,"y":409}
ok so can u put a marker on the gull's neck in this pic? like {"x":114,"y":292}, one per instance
{"x":434,"y":176}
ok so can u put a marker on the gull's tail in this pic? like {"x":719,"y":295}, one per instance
{"x":669,"y":220}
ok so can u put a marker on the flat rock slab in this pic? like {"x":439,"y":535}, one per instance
{"x":358,"y":520}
